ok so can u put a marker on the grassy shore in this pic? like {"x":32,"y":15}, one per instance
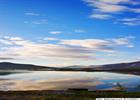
{"x":64,"y":95}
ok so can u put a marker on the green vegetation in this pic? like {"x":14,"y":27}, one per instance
{"x":65,"y":95}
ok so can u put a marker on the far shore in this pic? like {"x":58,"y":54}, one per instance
{"x":133,"y":72}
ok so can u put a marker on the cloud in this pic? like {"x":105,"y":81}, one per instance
{"x":37,"y":22}
{"x":100,"y":16}
{"x":113,"y":6}
{"x":131,"y":21}
{"x":32,"y":14}
{"x":6,"y":58}
{"x":109,"y":8}
{"x":99,"y":44}
{"x":79,"y":31}
{"x":106,"y":9}
{"x":92,"y":44}
{"x":126,"y":41}
{"x":55,"y":32}
{"x":20,"y":48}
{"x":118,"y":1}
{"x":49,"y":39}
{"x":72,"y":50}
{"x":42,"y":21}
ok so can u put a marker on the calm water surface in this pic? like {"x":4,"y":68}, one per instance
{"x":60,"y":80}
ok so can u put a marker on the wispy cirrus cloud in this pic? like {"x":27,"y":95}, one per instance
{"x":37,"y":22}
{"x":113,"y":6}
{"x":79,"y":31}
{"x":100,"y":16}
{"x":41,"y":21}
{"x":131,"y":21}
{"x":101,"y":45}
{"x":106,"y":9}
{"x":32,"y":14}
{"x":55,"y":32}
{"x":49,"y":39}
{"x":92,"y":44}
{"x":124,"y":41}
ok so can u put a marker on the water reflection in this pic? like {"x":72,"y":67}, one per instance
{"x":8,"y":72}
{"x":53,"y":80}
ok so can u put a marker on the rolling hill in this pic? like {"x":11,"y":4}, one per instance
{"x":14,"y":66}
{"x":121,"y":66}
{"x":118,"y":66}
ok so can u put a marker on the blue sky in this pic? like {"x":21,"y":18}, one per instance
{"x":69,"y":32}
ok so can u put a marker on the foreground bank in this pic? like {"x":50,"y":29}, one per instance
{"x":64,"y":95}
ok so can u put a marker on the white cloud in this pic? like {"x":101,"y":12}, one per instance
{"x":21,"y":49}
{"x":100,"y":44}
{"x":109,"y":8}
{"x":100,"y":16}
{"x":112,"y":6}
{"x":5,"y":42}
{"x":14,"y":48}
{"x":124,"y":41}
{"x":32,"y":14}
{"x":79,"y":31}
{"x":55,"y":32}
{"x":41,"y":21}
{"x":130,"y":46}
{"x":136,"y":10}
{"x":37,"y":22}
{"x":93,"y":44}
{"x":105,"y":9}
{"x":119,"y":1}
{"x":50,"y":39}
{"x":121,"y":41}
{"x":131,"y":21}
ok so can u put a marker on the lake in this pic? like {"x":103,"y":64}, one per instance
{"x":63,"y":80}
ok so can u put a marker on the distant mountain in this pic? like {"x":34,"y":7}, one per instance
{"x":14,"y":66}
{"x":118,"y":66}
{"x":121,"y":66}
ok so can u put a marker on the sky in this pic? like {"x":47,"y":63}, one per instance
{"x":69,"y":32}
